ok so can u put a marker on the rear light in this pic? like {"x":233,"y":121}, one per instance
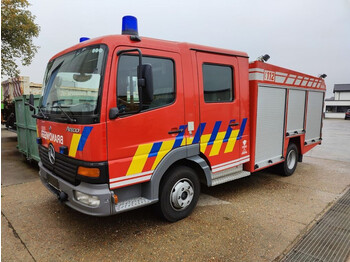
{"x":89,"y":172}
{"x":89,"y":200}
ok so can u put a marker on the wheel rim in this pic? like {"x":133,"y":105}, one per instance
{"x":181,"y":194}
{"x":291,"y":159}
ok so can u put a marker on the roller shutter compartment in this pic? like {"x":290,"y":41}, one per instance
{"x":270,"y":125}
{"x":314,"y":117}
{"x":296,"y":111}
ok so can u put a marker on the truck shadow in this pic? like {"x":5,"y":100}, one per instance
{"x":120,"y":227}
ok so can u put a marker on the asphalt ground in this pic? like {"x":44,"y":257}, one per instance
{"x":257,"y":218}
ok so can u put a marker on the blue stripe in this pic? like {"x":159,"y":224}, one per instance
{"x":229,"y":131}
{"x":84,"y":136}
{"x":198,"y":134}
{"x":241,"y":131}
{"x":180,"y":137}
{"x":155,"y":149}
{"x":214,"y":133}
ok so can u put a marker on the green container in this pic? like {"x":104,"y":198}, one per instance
{"x":26,"y":127}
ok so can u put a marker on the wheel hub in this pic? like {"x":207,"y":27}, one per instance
{"x":181,"y":194}
{"x":291,"y":159}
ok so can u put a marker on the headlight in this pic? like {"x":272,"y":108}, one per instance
{"x":92,"y":201}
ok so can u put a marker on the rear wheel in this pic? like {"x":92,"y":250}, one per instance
{"x":288,"y":167}
{"x":179,"y":193}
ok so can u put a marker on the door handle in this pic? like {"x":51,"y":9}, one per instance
{"x":234,"y":124}
{"x":171,"y":132}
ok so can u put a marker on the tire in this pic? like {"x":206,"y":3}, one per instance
{"x":288,"y":167}
{"x":179,"y":193}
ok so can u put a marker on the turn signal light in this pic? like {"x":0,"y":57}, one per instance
{"x":88,"y":172}
{"x":115,"y":198}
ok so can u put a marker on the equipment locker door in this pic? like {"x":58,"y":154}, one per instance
{"x":314,"y":116}
{"x":270,"y":119}
{"x":221,"y":124}
{"x":137,"y":141}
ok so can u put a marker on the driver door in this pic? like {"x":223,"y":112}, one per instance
{"x":137,"y":141}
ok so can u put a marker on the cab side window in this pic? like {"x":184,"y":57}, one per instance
{"x":127,"y":89}
{"x":217,"y":83}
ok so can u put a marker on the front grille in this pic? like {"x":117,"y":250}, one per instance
{"x":63,"y":166}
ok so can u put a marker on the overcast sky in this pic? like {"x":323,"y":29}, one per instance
{"x":311,"y":36}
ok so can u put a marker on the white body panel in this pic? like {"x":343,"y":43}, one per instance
{"x":296,"y":111}
{"x":270,"y":125}
{"x":314,"y":117}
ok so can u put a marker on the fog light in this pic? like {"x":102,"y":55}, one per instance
{"x":92,"y":201}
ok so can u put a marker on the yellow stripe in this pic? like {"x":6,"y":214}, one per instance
{"x":164,"y":149}
{"x":217,"y":144}
{"x":139,"y":159}
{"x":74,"y":145}
{"x":231,"y":141}
{"x":189,"y":140}
{"x":204,"y":142}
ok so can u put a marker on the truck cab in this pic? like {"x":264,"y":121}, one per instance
{"x":101,"y":136}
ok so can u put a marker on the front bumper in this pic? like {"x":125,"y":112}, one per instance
{"x":102,"y":191}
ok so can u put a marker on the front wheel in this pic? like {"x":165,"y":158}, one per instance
{"x":288,"y":167}
{"x":179,"y":193}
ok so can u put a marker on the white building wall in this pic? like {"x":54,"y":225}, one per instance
{"x":336,"y":96}
{"x":334,"y":115}
{"x":344,"y":96}
{"x":335,"y":103}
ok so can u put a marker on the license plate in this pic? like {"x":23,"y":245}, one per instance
{"x":53,"y":182}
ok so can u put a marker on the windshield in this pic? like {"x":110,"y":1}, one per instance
{"x":72,"y":82}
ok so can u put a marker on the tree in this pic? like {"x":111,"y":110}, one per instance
{"x":17,"y":32}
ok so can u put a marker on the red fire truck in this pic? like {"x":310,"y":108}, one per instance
{"x":126,"y":122}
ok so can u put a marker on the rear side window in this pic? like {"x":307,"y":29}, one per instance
{"x":127,"y":90}
{"x":217,"y":83}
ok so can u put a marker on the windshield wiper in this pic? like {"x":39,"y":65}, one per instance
{"x":42,"y":113}
{"x":72,"y":120}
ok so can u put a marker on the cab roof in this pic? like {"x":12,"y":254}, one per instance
{"x":112,"y":41}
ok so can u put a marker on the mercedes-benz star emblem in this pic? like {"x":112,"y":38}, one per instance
{"x":51,"y":154}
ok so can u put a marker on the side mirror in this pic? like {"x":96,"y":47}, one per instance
{"x":146,"y":83}
{"x":31,"y":102}
{"x":113,"y":113}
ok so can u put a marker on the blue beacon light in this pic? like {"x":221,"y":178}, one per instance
{"x":129,"y":25}
{"x":82,"y":39}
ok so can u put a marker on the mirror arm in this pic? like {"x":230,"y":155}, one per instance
{"x":30,"y":105}
{"x":119,"y":53}
{"x":131,"y":50}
